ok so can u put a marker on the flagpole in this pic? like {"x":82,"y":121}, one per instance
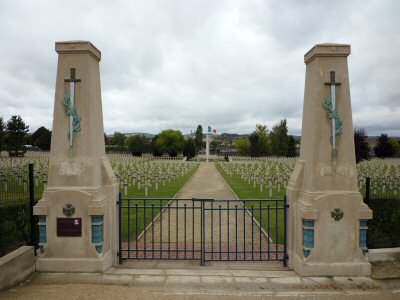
{"x":207,"y":146}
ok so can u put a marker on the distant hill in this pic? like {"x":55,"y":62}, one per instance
{"x":232,"y":135}
{"x":128,"y":134}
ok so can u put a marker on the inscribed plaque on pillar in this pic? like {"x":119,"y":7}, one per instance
{"x":69,"y":227}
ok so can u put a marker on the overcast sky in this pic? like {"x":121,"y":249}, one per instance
{"x":176,"y":64}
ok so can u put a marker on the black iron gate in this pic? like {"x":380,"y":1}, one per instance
{"x":202,"y":229}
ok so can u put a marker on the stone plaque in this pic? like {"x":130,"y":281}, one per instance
{"x":69,"y":227}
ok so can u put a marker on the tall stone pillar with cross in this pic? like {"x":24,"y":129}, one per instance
{"x":77,"y":213}
{"x":327,"y":216}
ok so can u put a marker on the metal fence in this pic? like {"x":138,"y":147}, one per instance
{"x":380,"y":189}
{"x":17,"y":198}
{"x":202,"y":229}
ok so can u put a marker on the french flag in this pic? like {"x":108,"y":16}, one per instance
{"x":212,"y":130}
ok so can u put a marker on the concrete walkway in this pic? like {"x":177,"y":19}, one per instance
{"x":230,"y":231}
{"x":197,"y":282}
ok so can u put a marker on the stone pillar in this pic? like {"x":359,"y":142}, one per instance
{"x":327,"y":216}
{"x":77,"y":214}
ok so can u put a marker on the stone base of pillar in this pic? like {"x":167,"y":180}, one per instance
{"x":87,"y":265}
{"x":94,"y":248}
{"x":353,"y":268}
{"x":326,"y":233}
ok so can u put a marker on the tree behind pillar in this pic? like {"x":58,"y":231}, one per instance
{"x":384,"y":148}
{"x":16,"y":131}
{"x":199,"y":137}
{"x":361,"y":145}
{"x":189,"y":150}
{"x":42,"y":138}
{"x":2,"y":133}
{"x":291,"y":147}
{"x":279,"y":138}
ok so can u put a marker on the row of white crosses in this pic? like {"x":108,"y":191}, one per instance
{"x":143,"y":174}
{"x":15,"y":171}
{"x":384,"y":174}
{"x":273,"y":173}
{"x":269,"y":174}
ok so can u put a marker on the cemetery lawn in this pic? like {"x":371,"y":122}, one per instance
{"x":139,"y":218}
{"x":245,"y":190}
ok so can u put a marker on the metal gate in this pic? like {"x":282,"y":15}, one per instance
{"x":202,"y":229}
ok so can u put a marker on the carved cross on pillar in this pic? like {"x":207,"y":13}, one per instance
{"x":69,"y":106}
{"x":332,"y":83}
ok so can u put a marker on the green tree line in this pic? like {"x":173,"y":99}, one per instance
{"x":14,"y":136}
{"x":265,"y":142}
{"x":384,"y":146}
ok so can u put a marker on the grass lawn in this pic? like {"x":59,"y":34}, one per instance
{"x":138,"y":218}
{"x":271,"y":215}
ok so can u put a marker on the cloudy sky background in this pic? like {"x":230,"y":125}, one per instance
{"x":176,"y":64}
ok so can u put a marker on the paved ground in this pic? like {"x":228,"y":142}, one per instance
{"x":220,"y":281}
{"x":230,"y":231}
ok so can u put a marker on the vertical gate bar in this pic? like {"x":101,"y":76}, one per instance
{"x":176,"y":228}
{"x":129,"y":232}
{"x":220,"y":234}
{"x":202,"y":253}
{"x":367,"y":188}
{"x":284,"y":232}
{"x":161,"y":232}
{"x":152,"y":231}
{"x":252,"y":232}
{"x":120,"y":226}
{"x":212,"y":231}
{"x":192,"y":229}
{"x":260,"y":214}
{"x":31,"y":204}
{"x":269,"y":234}
{"x":204,"y":230}
{"x":236,"y":231}
{"x":169,"y":230}
{"x":136,"y":229}
{"x":184,"y":213}
{"x":228,"y":212}
{"x":244,"y":230}
{"x":144,"y":228}
{"x":276,"y":229}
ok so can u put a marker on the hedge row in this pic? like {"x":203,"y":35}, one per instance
{"x":14,"y":226}
{"x":384,"y":228}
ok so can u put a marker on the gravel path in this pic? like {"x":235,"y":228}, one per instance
{"x":230,"y":231}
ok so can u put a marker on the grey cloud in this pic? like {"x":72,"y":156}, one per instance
{"x":176,"y":64}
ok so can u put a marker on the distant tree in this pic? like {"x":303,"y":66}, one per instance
{"x":199,"y":137}
{"x":384,"y":148}
{"x":118,"y":139}
{"x":254,"y":140}
{"x":16,"y":131}
{"x":361,"y":145}
{"x":28,"y":139}
{"x":2,"y":133}
{"x":189,"y":149}
{"x":396,"y":147}
{"x":171,"y":142}
{"x":242,"y":145}
{"x":262,"y":132}
{"x":291,"y":152}
{"x":215,"y":146}
{"x":279,"y":138}
{"x":42,"y":138}
{"x":137,"y":145}
{"x":155,"y":149}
